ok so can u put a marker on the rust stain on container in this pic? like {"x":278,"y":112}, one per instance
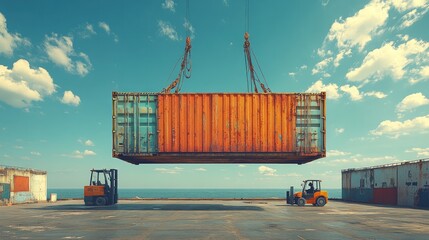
{"x":229,"y":123}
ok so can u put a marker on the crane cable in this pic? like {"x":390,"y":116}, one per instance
{"x":186,"y":65}
{"x":248,"y":53}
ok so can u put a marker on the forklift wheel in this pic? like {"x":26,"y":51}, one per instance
{"x":100,"y":201}
{"x":321,"y":201}
{"x":301,"y":202}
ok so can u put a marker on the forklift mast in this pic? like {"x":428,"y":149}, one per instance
{"x":102,"y":188}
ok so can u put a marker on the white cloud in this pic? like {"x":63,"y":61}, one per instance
{"x":79,"y":154}
{"x":390,"y":60}
{"x":303,"y":67}
{"x":412,"y":101}
{"x":359,"y":29}
{"x":188,"y":26}
{"x":363,"y":161}
{"x":226,"y":3}
{"x":375,"y":94}
{"x":174,"y":170}
{"x":264,"y":170}
{"x":320,"y":66}
{"x":421,"y":152}
{"x":200,"y":169}
{"x":404,"y":5}
{"x":104,"y":26}
{"x":70,"y":99}
{"x":395,"y":129}
{"x":90,"y":28}
{"x":325,"y":3}
{"x":89,"y":143}
{"x":341,"y":55}
{"x":330,"y":89}
{"x":356,"y":95}
{"x":35,"y":153}
{"x":411,"y":17}
{"x":339,"y":130}
{"x":292,"y":74}
{"x":87,"y":31}
{"x":336,"y":153}
{"x":19,"y":147}
{"x":424,"y":72}
{"x":242,"y":166}
{"x":167,"y":30}
{"x":353,"y":91}
{"x":88,"y":153}
{"x":9,"y":41}
{"x":169,"y":5}
{"x":60,"y":51}
{"x":22,"y":85}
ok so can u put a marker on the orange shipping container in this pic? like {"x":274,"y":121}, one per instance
{"x":219,"y":127}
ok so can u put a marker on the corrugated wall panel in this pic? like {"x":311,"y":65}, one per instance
{"x":386,"y":196}
{"x":413,"y":184}
{"x":226,"y":126}
{"x":135,"y":124}
{"x":362,"y":178}
{"x":386,"y":177}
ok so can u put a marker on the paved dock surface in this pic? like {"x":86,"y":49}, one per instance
{"x":211,"y":219}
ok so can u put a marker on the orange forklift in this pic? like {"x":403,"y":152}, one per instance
{"x":103,"y":188}
{"x":311,"y":194}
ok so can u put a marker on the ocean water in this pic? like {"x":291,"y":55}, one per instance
{"x":189,"y":193}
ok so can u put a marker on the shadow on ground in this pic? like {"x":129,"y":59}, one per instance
{"x":153,"y":207}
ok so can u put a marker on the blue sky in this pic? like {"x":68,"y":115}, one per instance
{"x":60,"y":61}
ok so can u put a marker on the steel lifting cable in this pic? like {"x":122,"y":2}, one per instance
{"x":248,"y":52}
{"x":186,"y":65}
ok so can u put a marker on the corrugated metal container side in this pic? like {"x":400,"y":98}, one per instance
{"x":385,"y":185}
{"x":346,"y":184}
{"x":362,"y":179}
{"x":413,"y":183}
{"x":387,"y":196}
{"x":218,"y":127}
{"x":361,"y":186}
{"x":364,"y":195}
{"x":386,"y":177}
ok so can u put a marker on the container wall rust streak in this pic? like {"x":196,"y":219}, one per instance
{"x":219,"y":127}
{"x":413,"y":184}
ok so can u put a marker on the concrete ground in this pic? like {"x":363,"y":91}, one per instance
{"x":211,"y":219}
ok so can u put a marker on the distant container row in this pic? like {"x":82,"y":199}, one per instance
{"x":219,"y":127}
{"x":403,"y":184}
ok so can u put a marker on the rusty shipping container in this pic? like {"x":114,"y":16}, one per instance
{"x":403,"y":184}
{"x":413,"y":184}
{"x":386,"y":185}
{"x":219,"y":127}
